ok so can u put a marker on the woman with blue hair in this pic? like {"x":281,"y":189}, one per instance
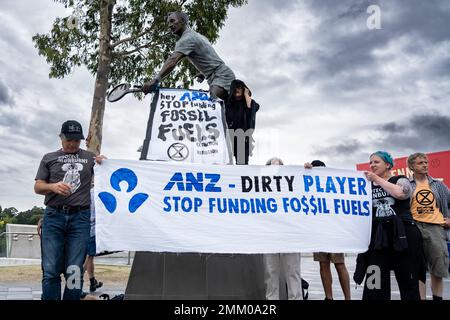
{"x":396,"y":242}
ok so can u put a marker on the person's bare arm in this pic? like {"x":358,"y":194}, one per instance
{"x":446,"y":224}
{"x":167,"y":68}
{"x":99,"y":159}
{"x":248,"y":99}
{"x":39,"y":227}
{"x":43,"y":187}
{"x":400,"y":191}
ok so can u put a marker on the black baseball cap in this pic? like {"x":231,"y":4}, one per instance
{"x":72,"y":130}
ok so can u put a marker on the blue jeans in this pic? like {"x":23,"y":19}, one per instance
{"x":63,"y":249}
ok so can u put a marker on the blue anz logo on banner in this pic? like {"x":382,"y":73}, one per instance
{"x":127,"y":175}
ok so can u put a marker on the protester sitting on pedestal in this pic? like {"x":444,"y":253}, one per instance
{"x":240,"y":112}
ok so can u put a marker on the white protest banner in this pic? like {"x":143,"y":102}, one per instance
{"x":183,"y":207}
{"x":186,"y":126}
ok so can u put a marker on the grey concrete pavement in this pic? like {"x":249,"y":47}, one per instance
{"x":309,"y":271}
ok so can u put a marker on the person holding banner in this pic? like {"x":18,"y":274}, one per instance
{"x":325,"y":259}
{"x":64,"y":177}
{"x":429,"y":206}
{"x":396,"y":241}
{"x":288,"y":263}
{"x":240,"y":113}
{"x":200,"y":53}
{"x":89,"y":265}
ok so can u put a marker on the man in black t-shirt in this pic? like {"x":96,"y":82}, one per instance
{"x":65,"y":177}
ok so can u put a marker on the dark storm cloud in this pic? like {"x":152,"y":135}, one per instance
{"x":9,"y":120}
{"x":427,"y":19}
{"x":441,"y":68}
{"x":342,"y":59}
{"x":425,"y":133}
{"x":346,"y":8}
{"x":345,"y":148}
{"x":276,"y":6}
{"x":37,"y":128}
{"x":5,"y":96}
{"x":275,"y":84}
{"x":429,"y":132}
{"x":345,"y":55}
{"x":341,"y":64}
{"x":16,"y":146}
{"x":392,"y":127}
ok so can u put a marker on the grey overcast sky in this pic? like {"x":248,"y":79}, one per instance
{"x":329,"y":87}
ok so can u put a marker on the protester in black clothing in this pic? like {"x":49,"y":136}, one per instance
{"x":396,"y":242}
{"x":240,"y":111}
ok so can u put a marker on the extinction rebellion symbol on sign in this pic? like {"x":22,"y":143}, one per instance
{"x":178,"y":152}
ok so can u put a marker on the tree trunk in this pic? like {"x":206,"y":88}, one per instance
{"x":94,"y":139}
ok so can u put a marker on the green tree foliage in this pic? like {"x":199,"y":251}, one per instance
{"x":31,"y":216}
{"x":124,"y":41}
{"x":12,"y":215}
{"x":8,"y":213}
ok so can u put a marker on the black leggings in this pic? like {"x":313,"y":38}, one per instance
{"x":406,"y":265}
{"x":243,"y":158}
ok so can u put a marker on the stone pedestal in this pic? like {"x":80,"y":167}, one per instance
{"x":157,"y":276}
